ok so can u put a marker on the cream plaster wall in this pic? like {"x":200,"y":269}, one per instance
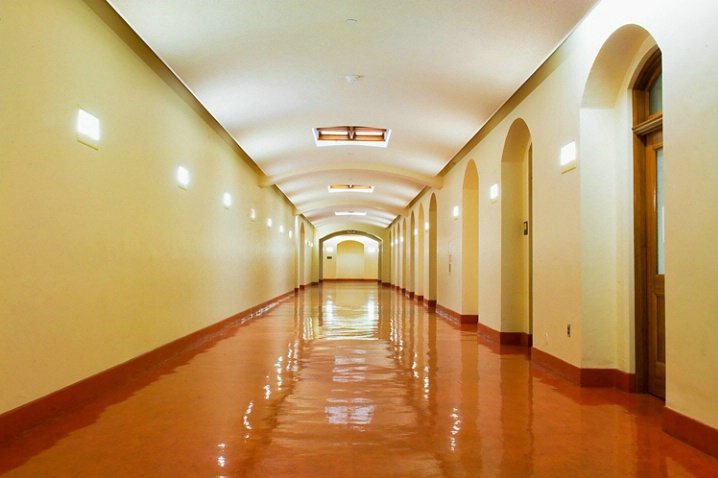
{"x":104,"y":257}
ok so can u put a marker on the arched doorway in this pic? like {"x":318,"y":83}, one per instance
{"x":516,"y":243}
{"x":431,"y":253}
{"x":411,"y":249}
{"x":302,"y":252}
{"x":619,"y":233}
{"x":420,"y":254}
{"x":470,"y":245}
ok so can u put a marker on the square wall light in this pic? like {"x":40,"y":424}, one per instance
{"x":568,"y":157}
{"x":269,"y":222}
{"x":253,"y":214}
{"x":494,"y":192}
{"x":183,"y":177}
{"x":227,"y":200}
{"x":88,"y":129}
{"x":455,"y":212}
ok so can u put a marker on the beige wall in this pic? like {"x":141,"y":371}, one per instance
{"x":350,"y":260}
{"x":104,"y":257}
{"x":583,"y":219}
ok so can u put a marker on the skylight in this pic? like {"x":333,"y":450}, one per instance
{"x":351,"y":135}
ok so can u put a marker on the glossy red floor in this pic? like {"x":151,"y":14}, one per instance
{"x":352,"y":380}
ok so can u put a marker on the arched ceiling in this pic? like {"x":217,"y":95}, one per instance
{"x":433,"y":72}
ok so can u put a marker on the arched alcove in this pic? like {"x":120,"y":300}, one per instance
{"x":402,"y":254}
{"x":470,"y":245}
{"x":431,"y":253}
{"x":302,"y":252}
{"x":411,"y":250}
{"x":420,"y":253}
{"x":612,"y":310}
{"x":516,"y":319}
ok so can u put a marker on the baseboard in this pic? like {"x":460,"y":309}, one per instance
{"x":430,"y":304}
{"x":521,"y":339}
{"x":585,"y":377}
{"x":693,"y":432}
{"x":32,"y":414}
{"x":464,"y":319}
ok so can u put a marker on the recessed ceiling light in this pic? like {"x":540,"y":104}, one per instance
{"x":350,"y":188}
{"x":349,"y":213}
{"x":350,"y":21}
{"x":351,"y":79}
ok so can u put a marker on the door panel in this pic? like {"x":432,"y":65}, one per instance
{"x":656,"y":265}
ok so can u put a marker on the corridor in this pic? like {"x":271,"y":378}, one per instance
{"x":350,"y":380}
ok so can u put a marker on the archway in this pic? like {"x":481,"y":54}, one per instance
{"x":431,"y":252}
{"x":420,"y":254}
{"x":375,"y":256}
{"x":613,"y":280}
{"x":402,"y":254}
{"x":470,"y":245}
{"x":411,"y":249}
{"x":516,"y":244}
{"x":302,"y":252}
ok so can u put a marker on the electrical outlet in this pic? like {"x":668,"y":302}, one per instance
{"x":568,"y":330}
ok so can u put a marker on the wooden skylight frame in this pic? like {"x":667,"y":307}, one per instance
{"x":351,"y":135}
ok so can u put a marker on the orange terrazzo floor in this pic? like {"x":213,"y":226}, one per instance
{"x":355,"y":380}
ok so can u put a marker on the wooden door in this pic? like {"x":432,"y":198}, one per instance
{"x":655,"y":265}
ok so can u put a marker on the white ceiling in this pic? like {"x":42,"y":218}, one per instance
{"x":431,"y":71}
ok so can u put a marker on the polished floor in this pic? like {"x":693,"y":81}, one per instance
{"x":354,"y":380}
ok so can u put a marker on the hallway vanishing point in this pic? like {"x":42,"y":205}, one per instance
{"x":349,"y":380}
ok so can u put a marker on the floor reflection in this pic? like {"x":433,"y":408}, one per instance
{"x":352,"y":379}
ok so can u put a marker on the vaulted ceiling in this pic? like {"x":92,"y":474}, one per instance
{"x":432,"y":72}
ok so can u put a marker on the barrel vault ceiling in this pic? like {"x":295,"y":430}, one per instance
{"x":431,"y":72}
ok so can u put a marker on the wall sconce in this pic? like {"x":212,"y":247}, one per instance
{"x":183,"y":177}
{"x":426,"y":226}
{"x":494,"y":192}
{"x":416,"y":231}
{"x":227,"y":200}
{"x":269,"y":222}
{"x":88,"y":129}
{"x":253,"y":214}
{"x":455,"y":212}
{"x":568,"y":157}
